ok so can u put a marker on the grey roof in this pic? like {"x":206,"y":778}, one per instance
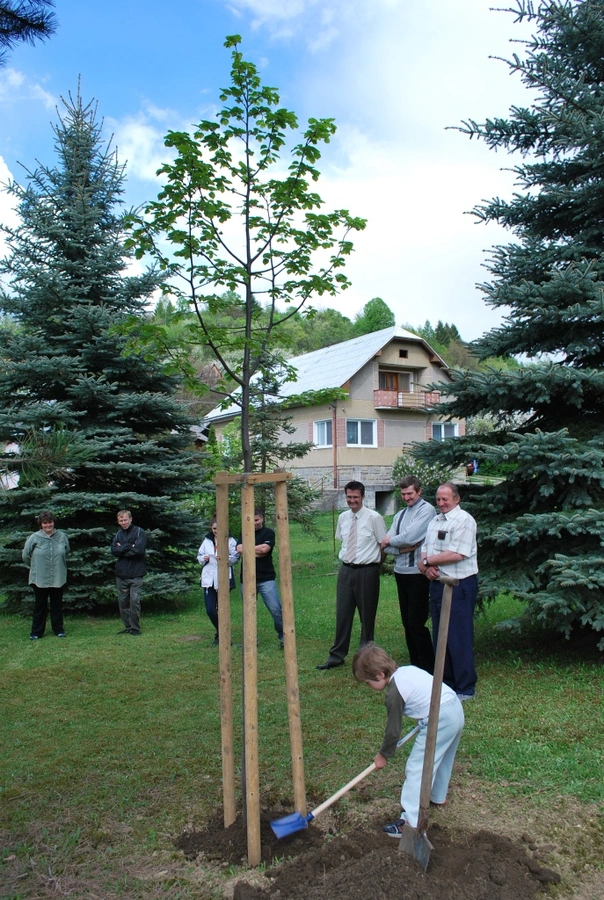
{"x":334,"y":366}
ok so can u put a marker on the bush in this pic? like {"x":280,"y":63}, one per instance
{"x":429,"y":474}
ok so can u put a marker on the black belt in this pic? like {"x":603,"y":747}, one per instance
{"x":360,"y":565}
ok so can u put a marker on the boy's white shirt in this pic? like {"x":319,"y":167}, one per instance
{"x":415,"y":687}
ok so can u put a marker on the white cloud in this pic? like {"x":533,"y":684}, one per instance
{"x":272,"y":13}
{"x":420,"y":252}
{"x":319,"y":22}
{"x":395,"y":74}
{"x":140,"y":144}
{"x":139,"y":138}
{"x":15,"y":88}
{"x":8,"y":214}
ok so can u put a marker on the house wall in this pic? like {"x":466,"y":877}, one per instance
{"x":328,"y":469}
{"x":418,"y":363}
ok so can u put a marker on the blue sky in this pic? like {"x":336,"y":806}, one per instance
{"x":393,"y":73}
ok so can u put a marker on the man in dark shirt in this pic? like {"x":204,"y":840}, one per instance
{"x":266,"y":584}
{"x":130,"y":547}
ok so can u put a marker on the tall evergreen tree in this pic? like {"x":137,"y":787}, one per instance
{"x":24,"y":20}
{"x":446,"y":333}
{"x":63,"y":375}
{"x":542,"y":529}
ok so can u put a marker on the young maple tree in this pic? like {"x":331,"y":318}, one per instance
{"x":232,"y":217}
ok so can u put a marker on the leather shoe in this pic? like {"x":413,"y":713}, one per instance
{"x":331,"y":665}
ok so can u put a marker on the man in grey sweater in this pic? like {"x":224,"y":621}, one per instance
{"x":404,"y":541}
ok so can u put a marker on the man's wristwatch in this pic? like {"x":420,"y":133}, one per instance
{"x":425,"y":562}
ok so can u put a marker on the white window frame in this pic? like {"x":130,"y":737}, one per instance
{"x":443,"y":430}
{"x":360,"y":422}
{"x":318,"y":438}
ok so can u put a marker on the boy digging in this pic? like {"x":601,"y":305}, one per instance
{"x":408,"y":692}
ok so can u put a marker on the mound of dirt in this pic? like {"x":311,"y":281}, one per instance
{"x":367,"y":863}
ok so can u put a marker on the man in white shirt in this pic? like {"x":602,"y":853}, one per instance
{"x":361,"y":531}
{"x":404,"y":540}
{"x":450,"y":549}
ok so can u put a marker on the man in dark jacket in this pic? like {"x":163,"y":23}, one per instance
{"x":130,"y":547}
{"x":266,"y":584}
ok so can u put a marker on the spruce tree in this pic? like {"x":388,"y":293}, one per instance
{"x":65,"y":382}
{"x":25,"y":21}
{"x":542,"y":529}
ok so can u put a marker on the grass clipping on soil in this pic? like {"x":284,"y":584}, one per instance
{"x":480,"y":865}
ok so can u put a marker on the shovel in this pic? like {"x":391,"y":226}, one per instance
{"x":297,"y":822}
{"x":414,"y":841}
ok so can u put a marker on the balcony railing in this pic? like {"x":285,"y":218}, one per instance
{"x":405,"y":399}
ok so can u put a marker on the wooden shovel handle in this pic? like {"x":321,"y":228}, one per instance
{"x":432,"y":730}
{"x":343,"y":790}
{"x":359,"y":777}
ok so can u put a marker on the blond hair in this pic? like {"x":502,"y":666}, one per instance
{"x":371,"y":662}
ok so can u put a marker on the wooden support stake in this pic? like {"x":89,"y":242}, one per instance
{"x":250,"y":771}
{"x":250,"y":676}
{"x":289,"y":636}
{"x":252,"y":477}
{"x":224,"y":650}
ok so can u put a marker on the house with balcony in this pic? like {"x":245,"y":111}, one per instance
{"x":388,"y":406}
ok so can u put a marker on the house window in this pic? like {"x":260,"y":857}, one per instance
{"x":403,"y":354}
{"x":322,"y":433}
{"x":388,"y":381}
{"x":395,"y":381}
{"x":442,"y":430}
{"x":360,"y":432}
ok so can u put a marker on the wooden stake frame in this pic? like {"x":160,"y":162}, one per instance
{"x":222,"y":480}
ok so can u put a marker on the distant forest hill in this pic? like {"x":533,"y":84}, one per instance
{"x":302,"y":333}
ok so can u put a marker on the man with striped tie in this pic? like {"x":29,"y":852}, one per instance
{"x":404,"y":540}
{"x":361,"y":531}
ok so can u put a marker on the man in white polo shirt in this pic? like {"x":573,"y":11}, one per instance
{"x":450,"y":549}
{"x":361,"y":531}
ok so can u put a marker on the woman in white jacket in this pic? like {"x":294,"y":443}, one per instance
{"x":207,"y":556}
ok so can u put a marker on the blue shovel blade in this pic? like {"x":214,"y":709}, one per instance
{"x":290,"y":824}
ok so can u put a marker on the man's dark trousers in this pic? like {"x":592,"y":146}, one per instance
{"x":460,"y":672}
{"x":414,"y":603}
{"x":358,"y":588}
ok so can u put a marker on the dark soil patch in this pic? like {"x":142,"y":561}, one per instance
{"x":367,"y":864}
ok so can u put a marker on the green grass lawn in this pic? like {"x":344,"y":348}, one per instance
{"x":111,"y":744}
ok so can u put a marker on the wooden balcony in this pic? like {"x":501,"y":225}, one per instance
{"x":405,"y":400}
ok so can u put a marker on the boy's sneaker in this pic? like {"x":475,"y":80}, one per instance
{"x":396,"y":829}
{"x":61,"y":634}
{"x":34,"y":637}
